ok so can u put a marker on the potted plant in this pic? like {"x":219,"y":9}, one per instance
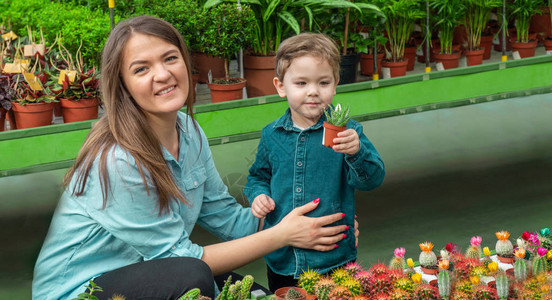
{"x":229,"y":29}
{"x":523,"y":10}
{"x":548,"y":40}
{"x":475,"y":21}
{"x":290,"y":293}
{"x":428,"y":259}
{"x":336,"y":122}
{"x":371,"y":47}
{"x":76,"y":87}
{"x":401,"y":16}
{"x":504,"y":248}
{"x":33,"y":103}
{"x":449,"y":14}
{"x":6,"y":94}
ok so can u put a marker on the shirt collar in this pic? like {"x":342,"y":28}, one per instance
{"x":286,"y":123}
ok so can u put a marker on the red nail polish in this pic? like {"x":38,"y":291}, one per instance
{"x":315,"y":201}
{"x":342,"y":215}
{"x":336,"y":246}
{"x":344,"y":235}
{"x":347,"y":228}
{"x":355,"y":216}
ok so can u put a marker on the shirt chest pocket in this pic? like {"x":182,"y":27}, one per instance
{"x":195,"y":178}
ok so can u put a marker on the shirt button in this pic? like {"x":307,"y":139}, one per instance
{"x":303,"y":139}
{"x":195,"y":183}
{"x":173,"y":247}
{"x":298,"y":190}
{"x":299,"y":164}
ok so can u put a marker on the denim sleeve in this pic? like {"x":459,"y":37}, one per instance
{"x":132,"y":215}
{"x":260,"y":174}
{"x":365,"y":168}
{"x":220,"y":213}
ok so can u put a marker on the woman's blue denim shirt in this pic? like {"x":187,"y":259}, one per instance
{"x":294,"y":168}
{"x":86,"y":240}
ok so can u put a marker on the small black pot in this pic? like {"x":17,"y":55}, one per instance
{"x":348,"y":68}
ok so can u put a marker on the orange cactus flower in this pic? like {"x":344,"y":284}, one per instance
{"x":475,"y":279}
{"x":502,"y":235}
{"x":444,"y":264}
{"x":426,"y":247}
{"x":416,"y":278}
{"x":493,"y":266}
{"x":520,"y":253}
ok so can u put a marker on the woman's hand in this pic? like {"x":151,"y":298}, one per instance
{"x":307,"y":232}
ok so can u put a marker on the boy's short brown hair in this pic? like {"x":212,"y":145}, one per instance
{"x":307,"y":43}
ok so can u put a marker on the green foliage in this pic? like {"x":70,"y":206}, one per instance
{"x":338,"y":117}
{"x":91,"y":288}
{"x":123,"y":8}
{"x":476,"y":18}
{"x":74,"y":23}
{"x":401,"y":16}
{"x":523,"y":10}
{"x":449,"y":14}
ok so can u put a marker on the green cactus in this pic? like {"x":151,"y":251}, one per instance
{"x":231,"y":293}
{"x":539,"y":265}
{"x":473,"y":252}
{"x":293,"y":293}
{"x":308,"y":279}
{"x":428,"y":259}
{"x":353,"y":286}
{"x":224,"y":293}
{"x":502,"y":287}
{"x":443,"y":282}
{"x":520,"y":270}
{"x":323,"y":288}
{"x":192,"y":294}
{"x":339,"y":275}
{"x":504,"y":248}
{"x":397,"y":263}
{"x":247,"y":283}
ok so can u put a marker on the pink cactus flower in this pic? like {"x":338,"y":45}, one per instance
{"x":399,"y":252}
{"x":541,"y":251}
{"x":475,"y":241}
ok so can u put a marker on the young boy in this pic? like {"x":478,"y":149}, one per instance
{"x":292,"y":166}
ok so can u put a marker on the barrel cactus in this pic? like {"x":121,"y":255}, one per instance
{"x":293,"y":293}
{"x":353,"y":286}
{"x":539,"y":265}
{"x":474,"y":251}
{"x":504,"y":247}
{"x":323,"y":288}
{"x":428,"y":259}
{"x":308,"y":279}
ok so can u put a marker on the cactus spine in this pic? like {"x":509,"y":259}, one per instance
{"x":504,"y":247}
{"x":502,"y":287}
{"x":293,"y":293}
{"x":473,"y":252}
{"x":428,"y":259}
{"x":224,"y":293}
{"x":397,"y":263}
{"x":323,"y":288}
{"x":308,"y":279}
{"x":443,"y":282}
{"x":520,"y":270}
{"x":539,"y":265}
{"x":247,"y":282}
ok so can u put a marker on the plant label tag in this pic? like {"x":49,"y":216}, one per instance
{"x":70,"y":73}
{"x":439,"y":66}
{"x":419,"y":51}
{"x":548,"y":52}
{"x":32,"y":81}
{"x":11,"y":68}
{"x":386,"y":72}
{"x":9,"y":36}
{"x":31,"y":50}
{"x":23,"y":62}
{"x":516,"y":55}
{"x":496,"y":40}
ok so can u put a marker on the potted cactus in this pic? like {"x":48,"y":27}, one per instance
{"x":308,"y":280}
{"x":290,"y":293}
{"x":428,"y":259}
{"x":336,"y":121}
{"x":474,"y":251}
{"x":504,"y":248}
{"x":398,"y":262}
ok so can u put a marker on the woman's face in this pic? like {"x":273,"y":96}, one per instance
{"x":155,"y":74}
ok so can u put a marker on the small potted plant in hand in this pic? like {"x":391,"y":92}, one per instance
{"x":504,"y":248}
{"x":428,"y":259}
{"x":336,"y":122}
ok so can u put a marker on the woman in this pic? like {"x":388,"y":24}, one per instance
{"x":144,"y":177}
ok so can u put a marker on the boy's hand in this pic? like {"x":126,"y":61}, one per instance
{"x":262,"y":205}
{"x":347,"y":142}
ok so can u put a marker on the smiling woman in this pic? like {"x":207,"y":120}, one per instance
{"x":142,"y":180}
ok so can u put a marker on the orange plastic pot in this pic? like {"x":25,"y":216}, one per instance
{"x":281,"y":293}
{"x":397,"y":68}
{"x":474,"y":57}
{"x":525,"y":49}
{"x":226,"y":92}
{"x":330,"y":133}
{"x":259,"y":72}
{"x":82,"y":110}
{"x":33,"y":114}
{"x":367,"y":63}
{"x":449,"y":61}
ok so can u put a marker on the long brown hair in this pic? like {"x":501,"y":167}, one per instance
{"x":124,"y":124}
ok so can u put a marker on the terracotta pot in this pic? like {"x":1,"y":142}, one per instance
{"x":396,"y":68}
{"x":434,"y":283}
{"x":410,"y":54}
{"x":506,"y":260}
{"x":511,"y":32}
{"x":203,"y":63}
{"x":259,"y":72}
{"x":57,"y":109}
{"x":82,"y":110}
{"x":3,"y":114}
{"x":474,"y":57}
{"x":311,"y":297}
{"x":330,"y":133}
{"x":348,"y":68}
{"x":525,"y":49}
{"x":367,"y":63}
{"x":540,"y":23}
{"x":487,"y":44}
{"x":434,"y":44}
{"x":430,"y":271}
{"x":281,"y":293}
{"x":548,"y":43}
{"x":492,"y":284}
{"x":226,"y":92}
{"x":460,"y":36}
{"x":32,"y":114}
{"x":449,"y":61}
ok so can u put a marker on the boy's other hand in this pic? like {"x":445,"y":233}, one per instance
{"x":262,"y":205}
{"x":347,"y":142}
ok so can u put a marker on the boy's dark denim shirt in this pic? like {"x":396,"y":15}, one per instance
{"x":294,"y":168}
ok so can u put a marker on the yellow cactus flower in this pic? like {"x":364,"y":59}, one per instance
{"x":475,"y":280}
{"x":502,"y":235}
{"x":486,"y":251}
{"x":493,"y":267}
{"x":417,"y":278}
{"x":444,"y":264}
{"x":410,"y":263}
{"x":549,"y":255}
{"x":520,"y":253}
{"x":426,"y":247}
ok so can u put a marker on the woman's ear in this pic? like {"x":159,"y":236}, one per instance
{"x":279,"y":85}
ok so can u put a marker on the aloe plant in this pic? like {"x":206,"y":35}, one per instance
{"x":337,"y":116}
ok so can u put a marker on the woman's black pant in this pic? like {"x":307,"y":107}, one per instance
{"x":165,"y":278}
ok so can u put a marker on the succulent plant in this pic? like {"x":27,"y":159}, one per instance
{"x":520,"y":270}
{"x":247,"y":283}
{"x":427,"y":259}
{"x":340,"y":292}
{"x":483,"y":292}
{"x":339,"y":275}
{"x":474,"y":251}
{"x":308,"y":279}
{"x":6,"y":92}
{"x":337,"y":116}
{"x":425,"y":291}
{"x":539,"y":265}
{"x":353,"y":286}
{"x":504,"y":247}
{"x":443,"y":282}
{"x":404,"y":284}
{"x":352,"y":268}
{"x":323,"y":288}
{"x":502,"y":286}
{"x":293,"y":293}
{"x":364,"y":278}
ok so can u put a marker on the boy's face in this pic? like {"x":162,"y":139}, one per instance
{"x":309,"y":86}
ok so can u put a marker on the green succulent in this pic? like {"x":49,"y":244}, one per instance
{"x":337,"y":116}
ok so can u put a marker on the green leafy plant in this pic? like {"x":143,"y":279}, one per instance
{"x":374,"y":25}
{"x":6,"y":92}
{"x":523,"y":10}
{"x":476,"y":18}
{"x":401,"y":16}
{"x":337,"y":116}
{"x":449,"y":14}
{"x":91,"y":288}
{"x":185,"y":15}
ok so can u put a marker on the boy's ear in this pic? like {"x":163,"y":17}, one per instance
{"x":279,"y":87}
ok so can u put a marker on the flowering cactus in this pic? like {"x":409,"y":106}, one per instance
{"x":397,"y":262}
{"x":428,"y":259}
{"x":474,"y":251}
{"x":504,"y":247}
